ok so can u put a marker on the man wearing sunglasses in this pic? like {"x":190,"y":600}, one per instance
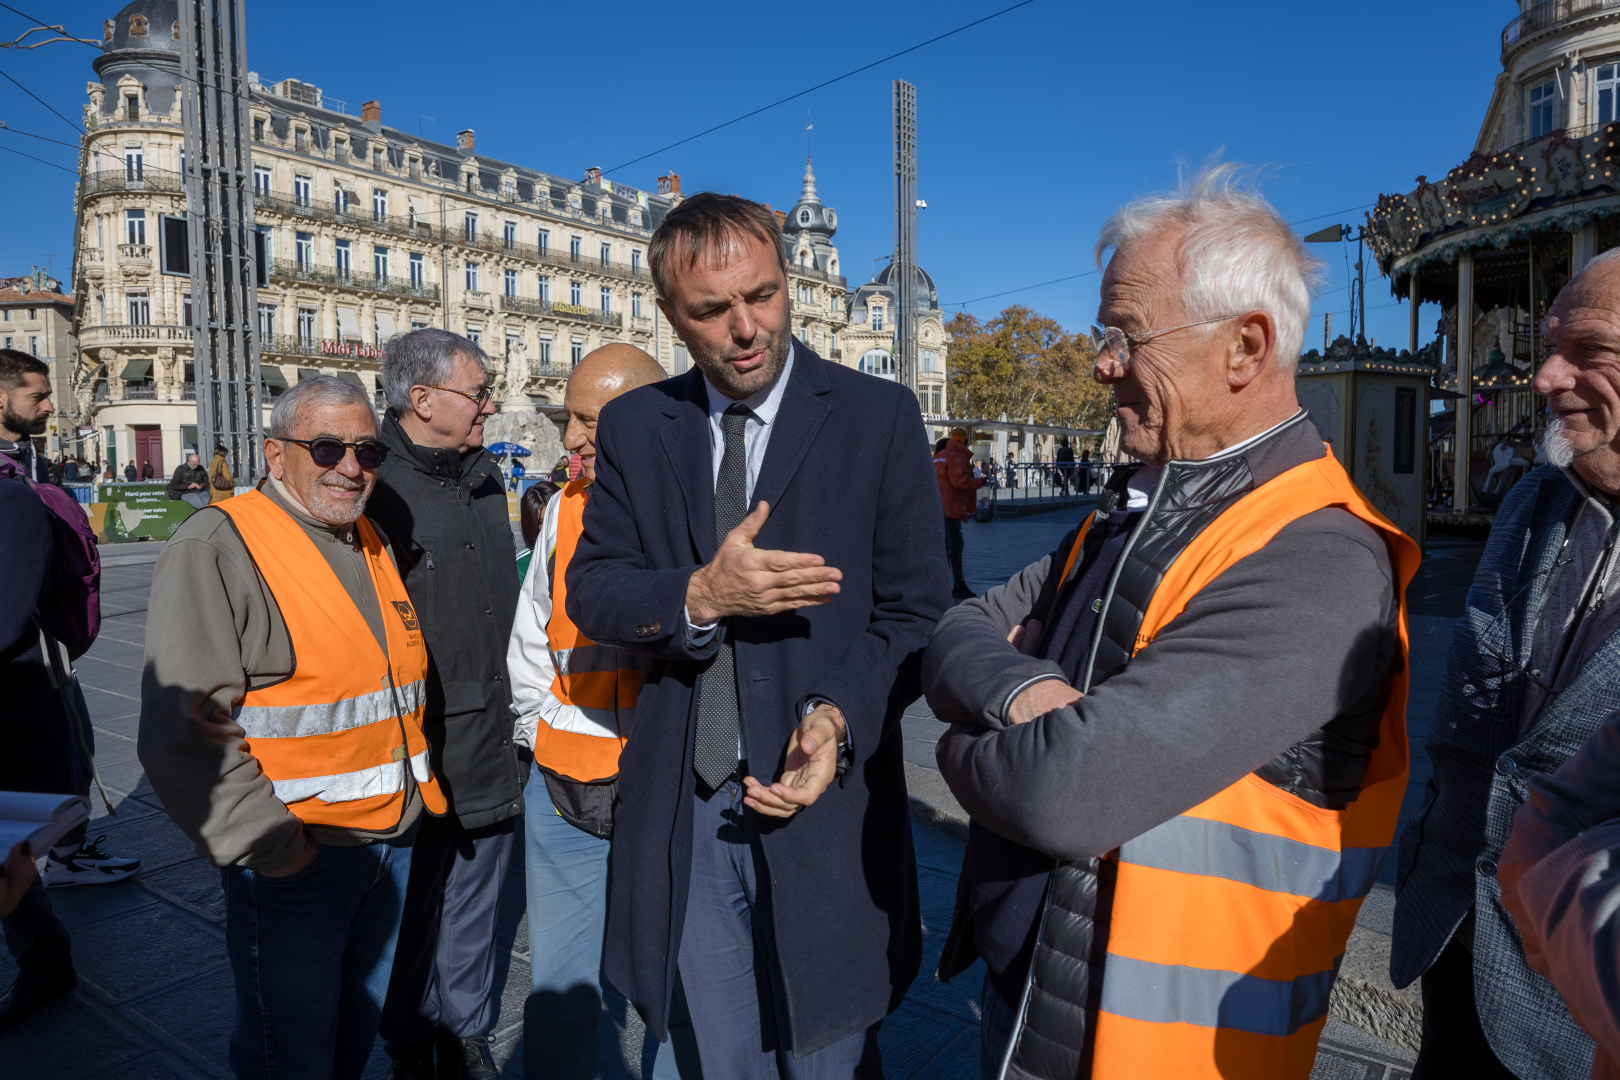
{"x":281,"y":725}
{"x":1181,"y":735}
{"x":442,"y":500}
{"x":1530,"y":677}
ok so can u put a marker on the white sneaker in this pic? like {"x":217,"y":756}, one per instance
{"x":89,"y":865}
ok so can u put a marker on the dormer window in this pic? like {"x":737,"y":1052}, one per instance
{"x":804,"y":217}
{"x":132,"y":107}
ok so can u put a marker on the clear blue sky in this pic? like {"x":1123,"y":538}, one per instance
{"x":1032,"y":127}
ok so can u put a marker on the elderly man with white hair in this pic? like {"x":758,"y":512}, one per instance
{"x":1522,"y":740}
{"x":1181,"y":736}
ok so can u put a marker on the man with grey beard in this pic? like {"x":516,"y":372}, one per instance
{"x":282,"y":727}
{"x":1531,"y":675}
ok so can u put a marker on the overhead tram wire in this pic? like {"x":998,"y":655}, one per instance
{"x":819,"y":86}
{"x":43,"y":102}
{"x":40,"y":22}
{"x":1089,"y":273}
{"x":41,"y":160}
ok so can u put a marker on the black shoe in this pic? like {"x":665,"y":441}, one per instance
{"x":412,"y":1064}
{"x":469,"y":1058}
{"x":24,"y":997}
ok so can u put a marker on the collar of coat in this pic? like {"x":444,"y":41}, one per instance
{"x":430,"y":460}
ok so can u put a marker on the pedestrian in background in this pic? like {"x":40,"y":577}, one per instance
{"x":441,"y":500}
{"x":146,"y":470}
{"x":762,"y":842}
{"x":517,"y":473}
{"x":531,"y":513}
{"x":1529,"y":677}
{"x":189,"y":483}
{"x":130,"y":475}
{"x":281,"y":726}
{"x":221,"y":485}
{"x":574,"y":703}
{"x":957,"y":479}
{"x":1179,"y":783}
{"x":1063,"y":461}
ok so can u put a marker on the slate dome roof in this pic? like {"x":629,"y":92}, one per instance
{"x":144,"y":25}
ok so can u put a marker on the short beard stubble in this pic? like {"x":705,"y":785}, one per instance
{"x":723,"y":375}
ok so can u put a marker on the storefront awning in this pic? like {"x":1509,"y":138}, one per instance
{"x":385,"y":326}
{"x":307,"y":373}
{"x":348,"y":324}
{"x":136,"y":370}
{"x":350,"y":377}
{"x":272,"y":376}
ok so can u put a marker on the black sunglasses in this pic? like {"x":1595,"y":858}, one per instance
{"x":326,"y":453}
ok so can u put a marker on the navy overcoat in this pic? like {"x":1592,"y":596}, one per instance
{"x":848,"y":476}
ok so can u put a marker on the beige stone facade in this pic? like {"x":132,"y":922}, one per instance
{"x":37,"y":318}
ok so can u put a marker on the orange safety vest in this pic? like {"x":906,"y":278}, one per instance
{"x":1229,"y":921}
{"x":589,"y":676}
{"x":337,"y":735}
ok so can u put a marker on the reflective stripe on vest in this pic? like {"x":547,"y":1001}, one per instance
{"x":337,"y":736}
{"x":1229,"y":922}
{"x":591,"y":682}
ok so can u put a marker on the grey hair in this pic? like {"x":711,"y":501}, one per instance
{"x":423,"y":357}
{"x":315,"y":390}
{"x":1237,"y":253}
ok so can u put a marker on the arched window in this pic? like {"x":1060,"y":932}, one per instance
{"x":878,"y":362}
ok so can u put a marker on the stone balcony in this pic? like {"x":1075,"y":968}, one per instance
{"x":92,"y":337}
{"x":1553,"y":17}
{"x":135,"y":260}
{"x":473,"y":298}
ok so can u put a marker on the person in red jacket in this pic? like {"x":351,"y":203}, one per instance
{"x":953,"y":468}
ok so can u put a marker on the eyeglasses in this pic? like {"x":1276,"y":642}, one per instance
{"x":479,"y":399}
{"x":1117,"y":343}
{"x":368,"y":453}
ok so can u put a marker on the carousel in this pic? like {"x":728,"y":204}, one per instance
{"x":1492,"y":244}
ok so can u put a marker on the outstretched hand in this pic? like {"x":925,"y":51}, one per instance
{"x":811,"y":765}
{"x":744,"y":580}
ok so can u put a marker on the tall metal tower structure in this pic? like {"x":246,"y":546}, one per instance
{"x":219,"y":205}
{"x":903,"y":269}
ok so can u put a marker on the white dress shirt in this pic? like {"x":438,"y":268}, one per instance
{"x":764,"y":405}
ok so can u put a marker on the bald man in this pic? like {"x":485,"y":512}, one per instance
{"x":574,"y":701}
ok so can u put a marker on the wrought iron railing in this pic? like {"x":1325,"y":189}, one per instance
{"x":550,"y":256}
{"x":276,"y":203}
{"x":1550,"y":14}
{"x":819,"y":275}
{"x":289,"y":270}
{"x":113,"y":180}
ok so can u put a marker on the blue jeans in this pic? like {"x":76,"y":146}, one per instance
{"x":565,"y":872}
{"x":311,"y":953}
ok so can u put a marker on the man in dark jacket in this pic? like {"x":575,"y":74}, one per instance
{"x":442,"y":501}
{"x":190,"y":483}
{"x":788,"y":907}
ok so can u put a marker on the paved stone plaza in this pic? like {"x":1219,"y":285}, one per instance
{"x":155,"y":998}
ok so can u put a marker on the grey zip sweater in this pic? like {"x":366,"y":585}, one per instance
{"x":213,"y":632}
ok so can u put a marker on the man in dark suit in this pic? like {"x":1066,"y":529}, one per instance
{"x":788,"y":905}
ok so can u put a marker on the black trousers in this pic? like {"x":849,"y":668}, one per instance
{"x":953,"y":551}
{"x":1453,"y":1041}
{"x":443,"y":980}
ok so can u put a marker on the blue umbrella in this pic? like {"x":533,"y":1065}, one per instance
{"x":504,"y":448}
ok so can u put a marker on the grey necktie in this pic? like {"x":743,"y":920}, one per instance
{"x":714,"y":754}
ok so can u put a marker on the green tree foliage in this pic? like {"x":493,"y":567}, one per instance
{"x":1023,"y":364}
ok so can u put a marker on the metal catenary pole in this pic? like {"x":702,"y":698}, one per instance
{"x":219,"y":203}
{"x":903,"y":270}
